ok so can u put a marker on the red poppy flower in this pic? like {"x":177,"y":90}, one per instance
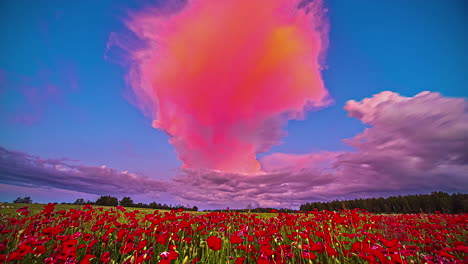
{"x":214,"y":242}
{"x":240,"y":260}
{"x":87,"y":237}
{"x":172,"y":247}
{"x":105,"y":257}
{"x":39,"y":250}
{"x":308,"y":255}
{"x":142,"y":244}
{"x":390,"y":243}
{"x":235,"y":239}
{"x":461,"y":248}
{"x":184,"y":224}
{"x":169,"y":255}
{"x":263,"y":261}
{"x":446,"y":255}
{"x":127,"y":248}
{"x":87,"y":259}
{"x":162,"y":239}
{"x":14,"y":256}
{"x":331,"y":251}
{"x":70,"y":245}
{"x":315,"y":247}
{"x":23,"y":250}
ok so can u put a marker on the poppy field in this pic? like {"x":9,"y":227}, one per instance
{"x":92,"y":234}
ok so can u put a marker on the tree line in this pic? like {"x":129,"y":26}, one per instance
{"x":113,"y":201}
{"x":421,"y":203}
{"x":128,"y":202}
{"x":257,"y":210}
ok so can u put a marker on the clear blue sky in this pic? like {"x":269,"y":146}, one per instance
{"x":60,"y":98}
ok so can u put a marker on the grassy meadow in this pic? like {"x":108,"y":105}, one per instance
{"x":35,"y":233}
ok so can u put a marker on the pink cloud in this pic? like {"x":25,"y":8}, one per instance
{"x":226,"y":96}
{"x":297,"y":162}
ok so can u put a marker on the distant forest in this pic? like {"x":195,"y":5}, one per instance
{"x":421,"y":203}
{"x":257,"y":210}
{"x":113,"y":201}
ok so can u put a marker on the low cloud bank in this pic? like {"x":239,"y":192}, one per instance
{"x":22,"y":169}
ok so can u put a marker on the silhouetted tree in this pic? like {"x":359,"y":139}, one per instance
{"x":107,"y":201}
{"x":26,"y":199}
{"x":80,"y":201}
{"x":127,"y":202}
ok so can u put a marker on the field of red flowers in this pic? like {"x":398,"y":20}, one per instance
{"x":120,"y":235}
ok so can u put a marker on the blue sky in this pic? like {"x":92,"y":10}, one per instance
{"x":403,"y":46}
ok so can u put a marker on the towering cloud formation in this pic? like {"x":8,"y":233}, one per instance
{"x":222,"y":77}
